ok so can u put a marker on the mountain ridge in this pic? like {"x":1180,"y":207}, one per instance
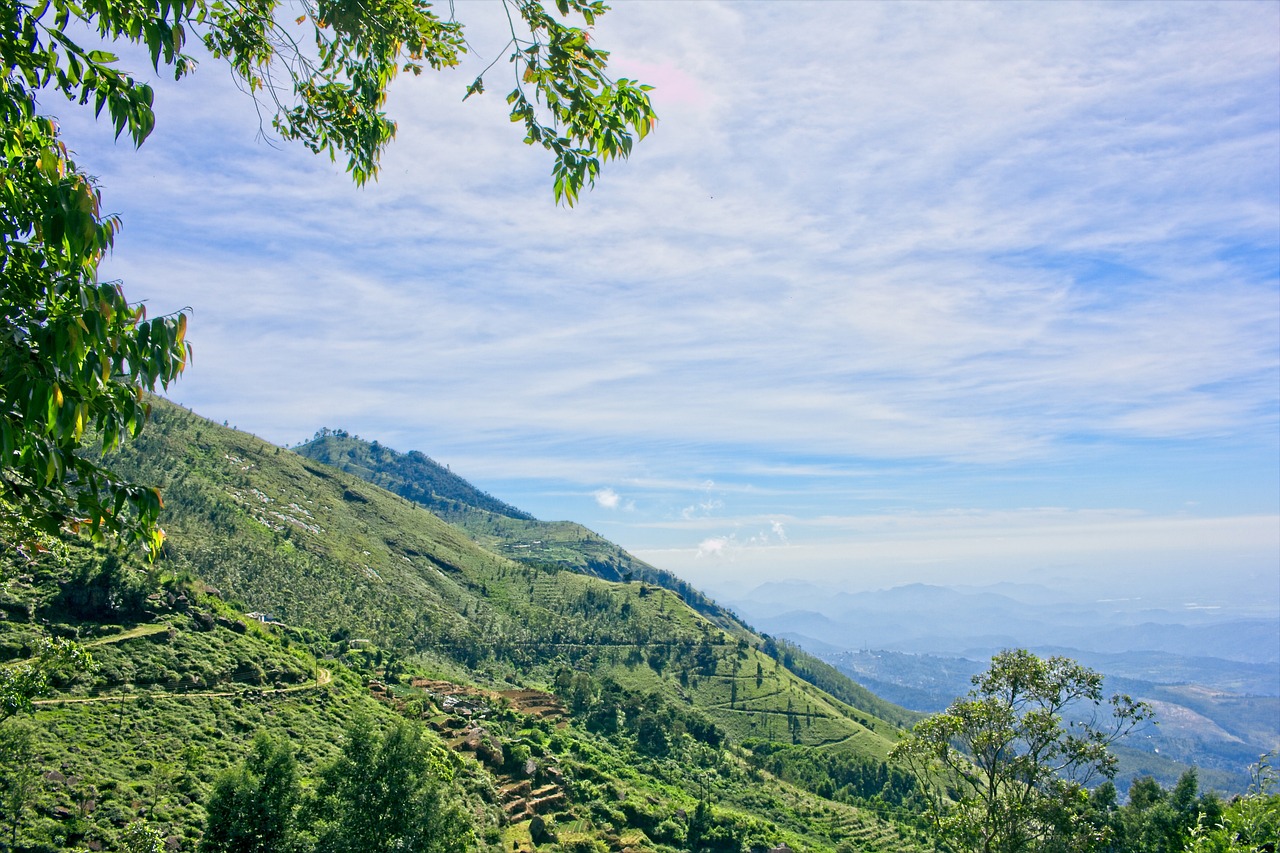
{"x":333,"y":573}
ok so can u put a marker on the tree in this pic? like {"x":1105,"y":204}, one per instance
{"x":252,"y":806}
{"x":75,"y":356}
{"x":381,"y":796}
{"x":1001,"y":769}
{"x":21,"y":683}
{"x":19,"y":777}
{"x":1249,"y":824}
{"x":140,"y":838}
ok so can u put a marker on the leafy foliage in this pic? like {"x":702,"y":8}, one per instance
{"x":252,"y":807}
{"x":380,"y":796}
{"x":140,"y":838}
{"x":24,"y":681}
{"x":75,"y":355}
{"x":1001,"y":769}
{"x":18,"y":777}
{"x":1250,"y":823}
{"x":588,"y":117}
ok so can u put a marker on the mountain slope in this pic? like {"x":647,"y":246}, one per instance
{"x":494,"y":525}
{"x":412,"y":475}
{"x":661,"y":711}
{"x":566,"y":545}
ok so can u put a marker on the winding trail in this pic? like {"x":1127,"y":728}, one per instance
{"x":324,"y":677}
{"x":136,"y":631}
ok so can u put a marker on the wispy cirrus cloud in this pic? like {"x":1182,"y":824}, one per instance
{"x":925,"y":254}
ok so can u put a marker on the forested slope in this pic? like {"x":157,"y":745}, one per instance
{"x":659,"y":728}
{"x":553,"y":545}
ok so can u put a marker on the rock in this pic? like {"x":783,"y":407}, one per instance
{"x":539,"y":832}
{"x":490,"y":752}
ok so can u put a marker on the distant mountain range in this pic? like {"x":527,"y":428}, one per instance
{"x":1213,"y":677}
{"x":980,"y":621}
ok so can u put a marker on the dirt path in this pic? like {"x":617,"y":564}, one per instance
{"x":136,"y":631}
{"x":325,"y":677}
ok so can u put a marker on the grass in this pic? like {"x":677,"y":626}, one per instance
{"x":368,"y":585}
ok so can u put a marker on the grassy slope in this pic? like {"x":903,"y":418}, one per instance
{"x":340,"y":560}
{"x":562,"y":544}
{"x":325,"y":550}
{"x":496,"y":526}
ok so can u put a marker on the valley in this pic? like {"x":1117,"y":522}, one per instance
{"x":1213,"y":675}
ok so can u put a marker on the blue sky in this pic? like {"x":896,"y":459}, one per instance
{"x":896,"y":292}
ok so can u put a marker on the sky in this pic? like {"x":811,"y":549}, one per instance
{"x":895,"y":293}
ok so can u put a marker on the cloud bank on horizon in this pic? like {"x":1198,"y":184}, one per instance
{"x":910,"y":281}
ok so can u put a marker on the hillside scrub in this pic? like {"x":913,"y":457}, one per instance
{"x":365,"y":604}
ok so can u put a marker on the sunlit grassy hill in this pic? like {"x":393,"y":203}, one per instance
{"x":496,"y":526}
{"x":553,"y":545}
{"x":292,"y":596}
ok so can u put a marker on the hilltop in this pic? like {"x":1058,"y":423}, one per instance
{"x":493,"y":524}
{"x":562,"y":545}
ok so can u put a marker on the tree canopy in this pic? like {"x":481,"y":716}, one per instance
{"x":1002,"y":771}
{"x":76,"y":357}
{"x":252,"y":806}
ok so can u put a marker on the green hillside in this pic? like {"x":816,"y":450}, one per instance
{"x":556,"y":545}
{"x":496,"y":526}
{"x":612,"y":712}
{"x":412,"y":475}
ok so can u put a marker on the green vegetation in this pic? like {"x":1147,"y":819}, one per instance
{"x":303,"y":632}
{"x":1181,"y":819}
{"x":1248,"y":824}
{"x":76,"y":355}
{"x":496,"y":526}
{"x":252,"y":807}
{"x":554,"y":546}
{"x":412,"y":475}
{"x":561,"y":710}
{"x":1001,"y":768}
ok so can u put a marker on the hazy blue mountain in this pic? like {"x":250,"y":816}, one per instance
{"x":1212,"y":675}
{"x":942,"y":620}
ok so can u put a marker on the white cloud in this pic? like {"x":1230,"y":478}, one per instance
{"x":859,"y":262}
{"x":607,"y":498}
{"x":715,"y":546}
